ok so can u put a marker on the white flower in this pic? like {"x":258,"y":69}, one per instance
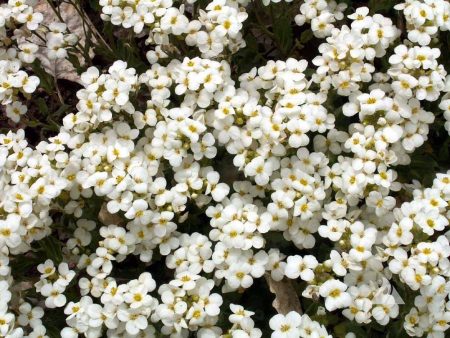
{"x":384,"y":309}
{"x":239,"y":276}
{"x":261,"y":169}
{"x":404,"y":85}
{"x":32,"y":19}
{"x":431,"y":221}
{"x":54,"y":294}
{"x":135,"y":321}
{"x":285,"y":325}
{"x":218,"y":190}
{"x":401,"y":233}
{"x":381,"y":204}
{"x":173,"y":21}
{"x":334,"y":293}
{"x":30,"y":315}
{"x":29,"y":83}
{"x":15,"y":110}
{"x":9,"y":231}
{"x":297,"y":266}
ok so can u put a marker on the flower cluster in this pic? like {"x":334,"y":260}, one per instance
{"x":187,"y":303}
{"x":243,"y":324}
{"x":294,"y":325}
{"x":167,"y":193}
{"x":347,"y":58}
{"x":416,"y":73}
{"x":103,"y":95}
{"x":125,"y":308}
{"x":59,"y":40}
{"x":24,"y":37}
{"x":214,"y":29}
{"x":15,"y":82}
{"x":425,"y":19}
{"x":423,"y":265}
{"x":53,"y":283}
{"x":321,"y":15}
{"x":445,"y":105}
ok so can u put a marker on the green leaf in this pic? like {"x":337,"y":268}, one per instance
{"x":202,"y":3}
{"x":444,"y":152}
{"x":42,"y":105}
{"x":94,"y":5}
{"x":247,"y":58}
{"x":343,"y":328}
{"x":46,"y":80}
{"x":282,"y":29}
{"x":306,"y":36}
{"x":20,"y":265}
{"x":52,"y":248}
{"x":62,"y":110}
{"x":381,"y":5}
{"x":53,"y":332}
{"x":73,"y":59}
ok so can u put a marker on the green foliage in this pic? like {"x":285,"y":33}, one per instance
{"x":46,"y":80}
{"x":270,"y":26}
{"x":381,"y":6}
{"x":51,"y":246}
{"x":283,"y":31}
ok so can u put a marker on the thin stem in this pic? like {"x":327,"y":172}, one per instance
{"x":52,"y":5}
{"x":39,"y":36}
{"x":89,"y":25}
{"x":58,"y":14}
{"x":58,"y":92}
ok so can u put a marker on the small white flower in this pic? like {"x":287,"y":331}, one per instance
{"x":334,"y":293}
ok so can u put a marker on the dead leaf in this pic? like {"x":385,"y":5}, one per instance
{"x":107,"y":218}
{"x":286,"y":299}
{"x":61,"y":68}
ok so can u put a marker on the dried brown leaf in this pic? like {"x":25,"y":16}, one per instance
{"x":61,"y":68}
{"x":286,"y":299}
{"x":107,"y":218}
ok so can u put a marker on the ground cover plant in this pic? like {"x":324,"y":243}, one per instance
{"x":225,"y":168}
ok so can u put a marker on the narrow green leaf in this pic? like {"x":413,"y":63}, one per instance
{"x":282,"y":29}
{"x":52,"y":248}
